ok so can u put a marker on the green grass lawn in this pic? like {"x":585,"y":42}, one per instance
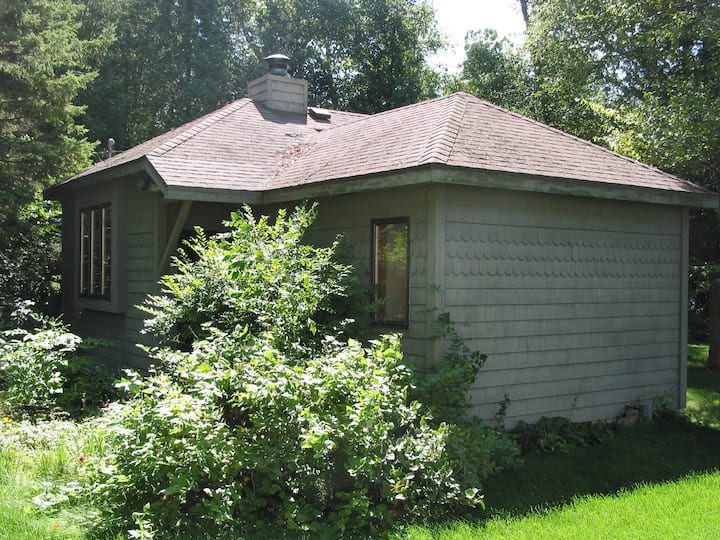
{"x":654,"y":480}
{"x":683,"y":509}
{"x":30,"y":455}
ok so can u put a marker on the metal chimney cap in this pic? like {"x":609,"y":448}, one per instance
{"x":278,"y":64}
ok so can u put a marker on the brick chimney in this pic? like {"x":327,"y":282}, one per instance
{"x":277,"y":90}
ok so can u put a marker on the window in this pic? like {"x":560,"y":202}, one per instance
{"x":390,"y":263}
{"x":95,"y":251}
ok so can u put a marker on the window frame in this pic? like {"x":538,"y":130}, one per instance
{"x":106,"y":239}
{"x":374,"y":224}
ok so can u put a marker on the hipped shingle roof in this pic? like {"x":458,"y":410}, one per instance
{"x":246,"y":147}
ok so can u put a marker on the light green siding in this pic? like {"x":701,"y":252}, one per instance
{"x":351,"y":217}
{"x":576,"y":302}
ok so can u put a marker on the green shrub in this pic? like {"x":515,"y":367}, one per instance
{"x":558,"y":434}
{"x":236,"y":434}
{"x":88,"y":384}
{"x":30,"y":245}
{"x":475,"y":448}
{"x":32,"y":361}
{"x":260,"y":275}
{"x":271,"y":419}
{"x":41,"y":368}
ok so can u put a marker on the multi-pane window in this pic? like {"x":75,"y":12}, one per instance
{"x":95,"y":251}
{"x":390,"y":264}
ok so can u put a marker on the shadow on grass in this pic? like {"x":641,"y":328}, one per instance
{"x":673,"y":446}
{"x":665,"y":450}
{"x":703,"y":397}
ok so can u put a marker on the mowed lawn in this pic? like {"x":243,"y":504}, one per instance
{"x":659,"y":480}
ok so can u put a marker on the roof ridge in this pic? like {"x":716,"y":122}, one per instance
{"x":583,"y":141}
{"x":442,"y":142}
{"x":370,"y":116}
{"x":198,"y":126}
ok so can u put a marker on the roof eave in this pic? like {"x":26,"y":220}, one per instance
{"x":443,"y":174}
{"x":423,"y":174}
{"x":215,"y":195}
{"x":123,"y":170}
{"x":572,"y":187}
{"x":398,"y":178}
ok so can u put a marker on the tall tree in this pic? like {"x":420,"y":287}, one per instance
{"x":653,"y":62}
{"x":44,"y":64}
{"x":496,"y":71}
{"x":524,"y":8}
{"x":43,"y":67}
{"x":170,"y":63}
{"x":644,"y":73}
{"x":173,"y":61}
{"x":366,"y":55}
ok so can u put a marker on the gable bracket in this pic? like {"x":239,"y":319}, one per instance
{"x":174,"y":237}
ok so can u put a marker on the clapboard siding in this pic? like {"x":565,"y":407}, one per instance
{"x":576,"y":302}
{"x":514,"y":359}
{"x":138,"y":226}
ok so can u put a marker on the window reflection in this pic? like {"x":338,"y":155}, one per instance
{"x":390,"y":269}
{"x":95,"y":251}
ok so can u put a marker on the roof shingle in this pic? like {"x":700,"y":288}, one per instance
{"x":246,"y":147}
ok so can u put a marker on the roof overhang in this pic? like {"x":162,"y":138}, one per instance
{"x":130,"y":169}
{"x":575,"y":187}
{"x":442,"y":174}
{"x":424,"y":174}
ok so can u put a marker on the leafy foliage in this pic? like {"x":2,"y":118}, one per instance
{"x":260,"y":275}
{"x":559,"y":434}
{"x":43,"y":67}
{"x":235,"y":433}
{"x":31,"y":362}
{"x":495,"y":71}
{"x":41,"y":367}
{"x":651,"y":61}
{"x":170,"y":63}
{"x":30,"y":256}
{"x":270,"y":422}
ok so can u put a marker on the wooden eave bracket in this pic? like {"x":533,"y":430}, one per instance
{"x":174,"y":237}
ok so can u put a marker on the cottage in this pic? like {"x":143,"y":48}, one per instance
{"x":565,"y":263}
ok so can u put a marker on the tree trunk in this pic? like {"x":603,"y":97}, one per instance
{"x":525,"y":14}
{"x":713,"y":361}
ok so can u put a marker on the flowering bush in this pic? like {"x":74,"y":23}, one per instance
{"x":32,"y":361}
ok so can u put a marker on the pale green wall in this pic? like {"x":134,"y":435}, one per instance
{"x":576,"y":302}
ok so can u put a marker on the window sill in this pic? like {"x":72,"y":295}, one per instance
{"x":99,"y":304}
